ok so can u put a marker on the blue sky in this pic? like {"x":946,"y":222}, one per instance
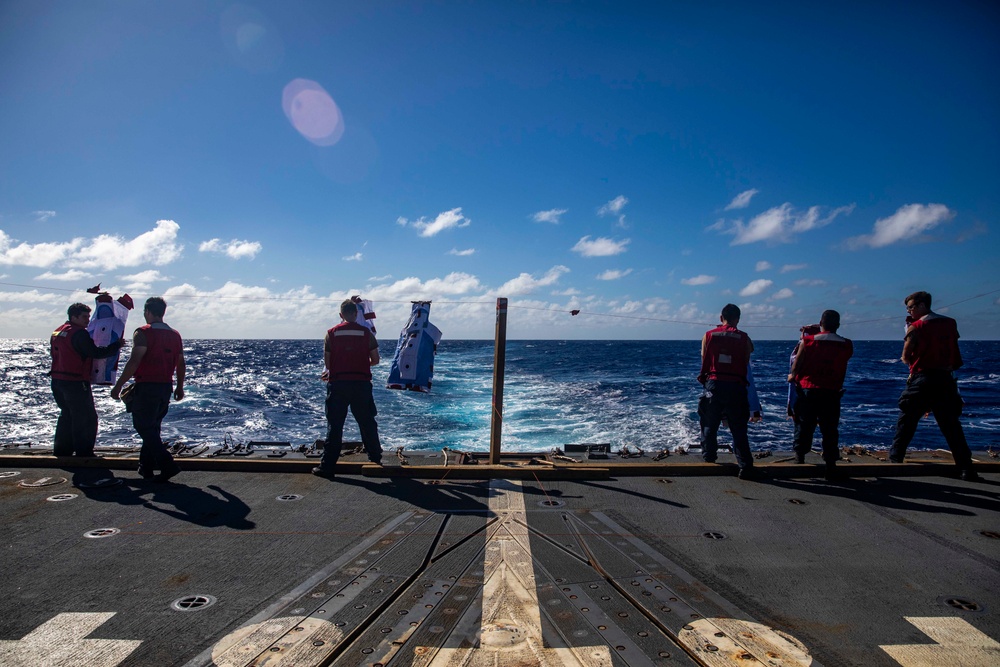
{"x":644,"y":163}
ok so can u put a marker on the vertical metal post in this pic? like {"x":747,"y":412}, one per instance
{"x":499,"y":359}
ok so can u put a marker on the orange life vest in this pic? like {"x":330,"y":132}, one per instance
{"x":67,"y":364}
{"x":726,"y":355}
{"x":822,"y":361}
{"x":936,"y":338}
{"x":350,"y":345}
{"x":163,"y":348}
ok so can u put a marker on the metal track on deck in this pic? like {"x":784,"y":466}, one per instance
{"x":505,"y":587}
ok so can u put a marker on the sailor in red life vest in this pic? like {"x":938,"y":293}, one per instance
{"x":73,"y":352}
{"x":931,"y":350}
{"x":157,"y":353}
{"x":349,"y":352}
{"x":817,"y":375}
{"x":725,"y":355}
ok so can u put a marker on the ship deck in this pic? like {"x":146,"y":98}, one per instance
{"x":253,"y":561}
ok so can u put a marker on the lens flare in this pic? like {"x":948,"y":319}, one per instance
{"x":252,"y":41}
{"x":312,"y":112}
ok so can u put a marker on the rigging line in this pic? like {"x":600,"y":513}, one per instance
{"x":895,"y":317}
{"x":491,"y":303}
{"x":745,"y":322}
{"x":249,"y":297}
{"x":548,"y":499}
{"x":978,"y":296}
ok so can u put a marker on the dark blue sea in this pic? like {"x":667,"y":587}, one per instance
{"x":638,"y":393}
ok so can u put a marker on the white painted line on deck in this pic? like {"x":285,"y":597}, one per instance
{"x":958,"y":643}
{"x":60,"y":642}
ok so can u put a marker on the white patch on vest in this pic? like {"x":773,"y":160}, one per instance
{"x":725,"y":359}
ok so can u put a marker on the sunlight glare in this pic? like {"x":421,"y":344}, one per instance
{"x":251,"y":39}
{"x":313,"y":112}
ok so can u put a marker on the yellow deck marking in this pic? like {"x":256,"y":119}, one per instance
{"x":506,"y":627}
{"x":295,"y":636}
{"x":60,"y":643}
{"x":742,"y":643}
{"x":958,"y":643}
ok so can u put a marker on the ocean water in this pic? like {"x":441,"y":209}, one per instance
{"x":637,"y":393}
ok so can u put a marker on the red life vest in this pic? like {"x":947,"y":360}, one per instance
{"x":67,"y":364}
{"x":163,"y":348}
{"x":350,"y":345}
{"x":936,"y":338}
{"x":822,"y":361}
{"x":726,"y":355}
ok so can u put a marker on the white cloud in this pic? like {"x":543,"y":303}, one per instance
{"x":783,"y":293}
{"x":600,"y":247}
{"x":781,"y":223}
{"x":378,"y":279}
{"x":462,"y":253}
{"x":742,"y":200}
{"x":907,"y":223}
{"x":464,"y":308}
{"x":613,"y":274}
{"x":527,"y":283}
{"x":763,"y":265}
{"x":234,"y":249}
{"x":414,"y":289}
{"x":448,"y":220}
{"x":615,"y":207}
{"x":552,"y":215}
{"x":805,"y":282}
{"x":756,"y":287}
{"x":143,"y":280}
{"x":793,"y":267}
{"x":157,"y":246}
{"x":567,"y":292}
{"x":717,"y":226}
{"x":356,"y":257}
{"x":41,"y":255}
{"x":43,"y":216}
{"x":69,"y":276}
{"x":149,"y":276}
{"x":699,"y":280}
{"x":34,"y":296}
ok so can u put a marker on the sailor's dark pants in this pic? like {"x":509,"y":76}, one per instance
{"x":725,"y":400}
{"x":818,"y":406}
{"x":937,"y":392}
{"x":76,"y":428}
{"x":356,"y":395}
{"x":149,"y":407}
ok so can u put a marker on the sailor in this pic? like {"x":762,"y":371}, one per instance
{"x":349,"y":351}
{"x":807,"y":330}
{"x":817,"y":376}
{"x":73,"y":352}
{"x":930,"y":347}
{"x":725,"y":357}
{"x":157,"y":353}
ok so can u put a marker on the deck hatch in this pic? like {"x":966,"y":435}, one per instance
{"x":192,"y":602}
